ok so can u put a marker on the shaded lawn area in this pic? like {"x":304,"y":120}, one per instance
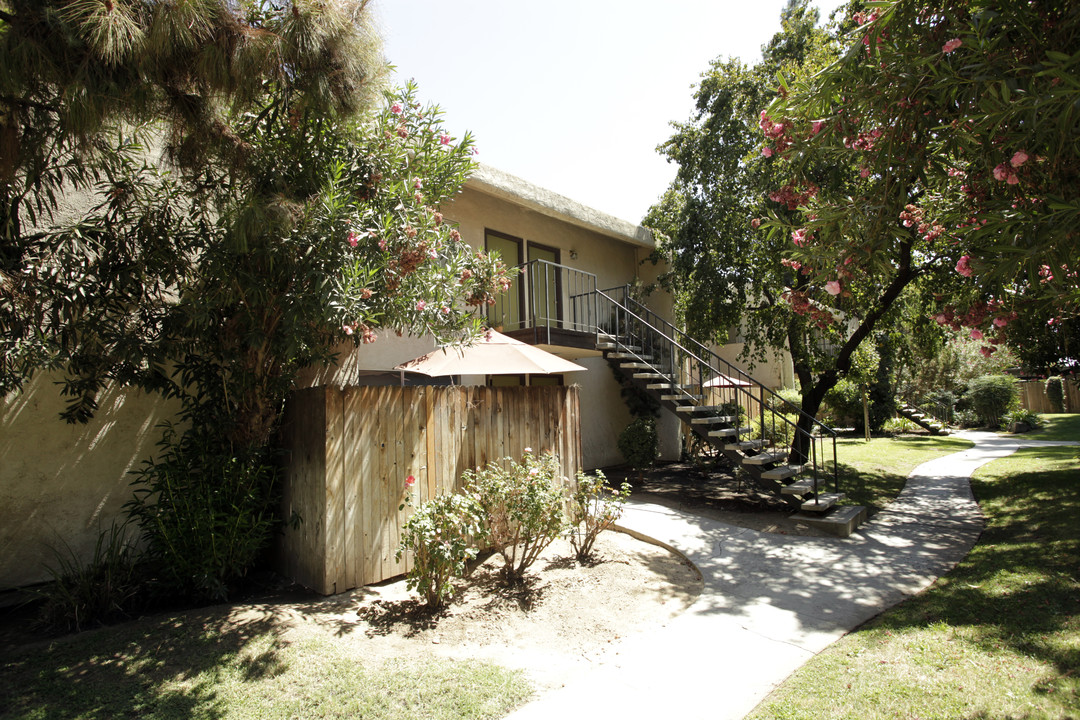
{"x":998,"y":637}
{"x":1064,"y":426}
{"x":175,"y":669}
{"x":873,"y":473}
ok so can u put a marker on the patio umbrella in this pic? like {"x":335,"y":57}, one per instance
{"x":493,"y":354}
{"x":723,"y":381}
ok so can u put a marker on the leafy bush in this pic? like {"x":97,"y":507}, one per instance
{"x":205,"y":516}
{"x":594,"y":507}
{"x":991,"y":396}
{"x":441,"y":536}
{"x":899,"y":425}
{"x":104,"y":590}
{"x":845,"y":404}
{"x":967,"y":418}
{"x":522,"y":506}
{"x":1020,"y":418}
{"x":1055,"y":393}
{"x":785,"y":399}
{"x":777,"y":430}
{"x":639,"y":444}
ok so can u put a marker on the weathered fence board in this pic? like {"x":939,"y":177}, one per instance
{"x":350,"y":450}
{"x":1033,"y":396}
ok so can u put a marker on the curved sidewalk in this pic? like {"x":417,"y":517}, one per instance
{"x":771,"y":602}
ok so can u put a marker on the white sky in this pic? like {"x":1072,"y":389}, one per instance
{"x":573,"y":95}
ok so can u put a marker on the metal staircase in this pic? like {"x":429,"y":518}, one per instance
{"x":784,"y":450}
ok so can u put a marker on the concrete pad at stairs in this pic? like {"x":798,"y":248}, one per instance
{"x":770,"y":602}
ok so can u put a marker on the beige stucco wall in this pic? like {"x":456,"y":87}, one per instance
{"x":775,"y":372}
{"x":61,"y":484}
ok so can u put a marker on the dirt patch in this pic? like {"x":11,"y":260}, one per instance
{"x":564,"y":619}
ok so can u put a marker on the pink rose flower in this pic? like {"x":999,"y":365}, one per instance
{"x":410,"y":481}
{"x":1019,"y":158}
{"x":833,"y":287}
{"x":951,"y":45}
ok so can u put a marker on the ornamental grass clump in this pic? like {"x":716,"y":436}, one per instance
{"x":441,"y":535}
{"x":522,"y":505}
{"x":594,"y":508}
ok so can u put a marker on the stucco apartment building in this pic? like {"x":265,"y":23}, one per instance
{"x":61,"y":485}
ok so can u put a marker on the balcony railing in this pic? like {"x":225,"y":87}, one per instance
{"x":548,"y":298}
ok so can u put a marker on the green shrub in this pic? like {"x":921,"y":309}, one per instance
{"x":967,"y":418}
{"x":1021,"y":417}
{"x":522,"y":507}
{"x":205,"y":516}
{"x":784,"y":400}
{"x":899,"y":425}
{"x":639,"y":444}
{"x":845,"y":404}
{"x":594,"y":507}
{"x":441,"y":535}
{"x":104,"y":590}
{"x":991,"y":397}
{"x":1055,"y":393}
{"x":778,"y":429}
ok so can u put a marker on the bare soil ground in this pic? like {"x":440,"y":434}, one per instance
{"x":565,"y":617}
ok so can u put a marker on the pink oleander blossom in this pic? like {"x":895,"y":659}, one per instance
{"x":976,"y":334}
{"x":951,"y":45}
{"x":1019,"y":158}
{"x":833,"y":287}
{"x":755,"y":223}
{"x":396,"y":108}
{"x":767,"y":151}
{"x":420,"y":306}
{"x":963,"y":266}
{"x":353,"y":239}
{"x":347,"y":329}
{"x":1000,"y":322}
{"x":817,"y":127}
{"x":799,"y":237}
{"x":987,"y":351}
{"x":444,"y":139}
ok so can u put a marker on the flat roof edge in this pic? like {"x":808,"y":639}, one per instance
{"x":490,"y":181}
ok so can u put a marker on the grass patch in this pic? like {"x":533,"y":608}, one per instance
{"x":873,"y":473}
{"x":171,"y":669}
{"x":1064,"y":426}
{"x":999,"y":637}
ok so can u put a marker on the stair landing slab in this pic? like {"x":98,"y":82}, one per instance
{"x":841,"y":522}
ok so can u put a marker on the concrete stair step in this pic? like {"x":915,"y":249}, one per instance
{"x":728,"y":432}
{"x":711,"y":420}
{"x":635,"y":366}
{"x":681,"y":396}
{"x":648,"y":375}
{"x":620,"y":355}
{"x":799,"y":487}
{"x":822,"y":503}
{"x":658,"y":386}
{"x":764,"y":458}
{"x":841,"y":521}
{"x":746,"y":445}
{"x":783,"y":472}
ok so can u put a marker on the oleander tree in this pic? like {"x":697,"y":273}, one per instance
{"x":957,"y":123}
{"x":202,"y":197}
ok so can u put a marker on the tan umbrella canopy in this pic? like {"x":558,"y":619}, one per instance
{"x":493,"y":354}
{"x":722,"y":381}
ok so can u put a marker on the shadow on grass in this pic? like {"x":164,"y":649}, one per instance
{"x":162,"y":669}
{"x":1019,"y":588}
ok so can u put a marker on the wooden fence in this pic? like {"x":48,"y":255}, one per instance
{"x":350,"y":451}
{"x":1033,"y":396}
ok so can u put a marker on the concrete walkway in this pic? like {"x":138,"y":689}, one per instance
{"x":771,"y":602}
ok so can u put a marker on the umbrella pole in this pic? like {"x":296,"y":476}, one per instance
{"x":402,"y":378}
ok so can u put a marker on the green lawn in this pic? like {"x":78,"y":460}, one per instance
{"x":998,"y":638}
{"x":1065,"y":426}
{"x":177,"y":670}
{"x":873,"y":473}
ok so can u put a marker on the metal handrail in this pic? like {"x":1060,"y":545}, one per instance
{"x":674,"y":359}
{"x":557,"y":296}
